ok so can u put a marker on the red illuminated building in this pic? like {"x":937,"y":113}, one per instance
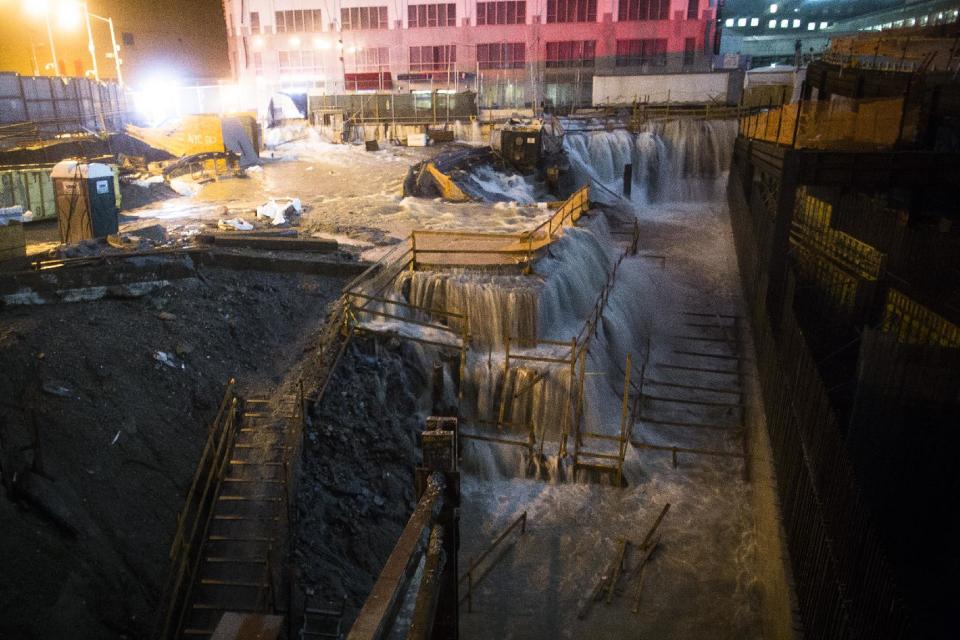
{"x":512,"y":52}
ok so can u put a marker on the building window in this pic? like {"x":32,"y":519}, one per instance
{"x":355,"y":18}
{"x":296,"y":21}
{"x":632,"y":53}
{"x":372,"y":59}
{"x":257,"y":63}
{"x":509,"y":12}
{"x":572,"y":53}
{"x":689,"y":51}
{"x":644,"y":10}
{"x":254,"y":22}
{"x":693,"y":9}
{"x":573,"y":10}
{"x":503,"y":55}
{"x":297,"y":61}
{"x":431,"y":15}
{"x":127,"y":38}
{"x":441,"y":58}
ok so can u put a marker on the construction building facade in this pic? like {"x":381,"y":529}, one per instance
{"x":513,"y":53}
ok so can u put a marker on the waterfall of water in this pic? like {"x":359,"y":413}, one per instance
{"x":673,"y":160}
{"x":551,"y":304}
{"x":469,"y":132}
{"x":494,"y":303}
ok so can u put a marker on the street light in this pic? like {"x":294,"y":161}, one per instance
{"x":79,"y":4}
{"x":113,"y":41}
{"x":42,"y":8}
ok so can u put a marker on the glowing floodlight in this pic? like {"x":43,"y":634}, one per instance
{"x":36,"y":7}
{"x":156,"y":98}
{"x":69,"y":15}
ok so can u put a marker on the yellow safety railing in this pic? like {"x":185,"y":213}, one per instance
{"x":459,"y":248}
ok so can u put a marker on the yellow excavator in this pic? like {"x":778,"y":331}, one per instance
{"x":211,"y":143}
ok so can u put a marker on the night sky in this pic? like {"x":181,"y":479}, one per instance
{"x":184,"y":38}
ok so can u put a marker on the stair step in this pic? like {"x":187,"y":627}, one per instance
{"x":597,"y":467}
{"x":604,"y":456}
{"x":233,"y":583}
{"x":251,"y":463}
{"x":215,"y":559}
{"x":250,"y":498}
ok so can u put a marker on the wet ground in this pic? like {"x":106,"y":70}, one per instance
{"x":701,"y":581}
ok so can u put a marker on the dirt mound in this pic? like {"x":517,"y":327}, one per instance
{"x":122,"y":392}
{"x":356,"y":487}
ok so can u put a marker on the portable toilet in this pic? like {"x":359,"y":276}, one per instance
{"x":86,"y":200}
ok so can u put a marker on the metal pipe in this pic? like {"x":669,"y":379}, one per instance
{"x":91,"y":47}
{"x":53,"y":47}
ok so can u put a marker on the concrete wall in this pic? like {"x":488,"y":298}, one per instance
{"x":720,"y":87}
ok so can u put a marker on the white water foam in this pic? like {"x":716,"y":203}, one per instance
{"x":673,"y":161}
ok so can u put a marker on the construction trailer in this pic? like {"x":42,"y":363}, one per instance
{"x":717,"y":87}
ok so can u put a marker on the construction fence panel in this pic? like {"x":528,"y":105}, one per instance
{"x":46,"y":106}
{"x":12,"y":106}
{"x":903,"y":435}
{"x":844,"y":582}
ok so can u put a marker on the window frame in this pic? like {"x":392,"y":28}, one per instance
{"x":641,"y":52}
{"x":570,"y":54}
{"x":644,"y":10}
{"x":447,"y":62}
{"x":444,"y":14}
{"x":502,"y":55}
{"x":362,"y":18}
{"x":567,"y":11}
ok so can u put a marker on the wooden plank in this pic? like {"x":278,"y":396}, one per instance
{"x":648,"y":551}
{"x":376,"y":617}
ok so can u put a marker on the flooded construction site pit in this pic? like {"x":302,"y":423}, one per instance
{"x":589,"y":337}
{"x":601,"y":389}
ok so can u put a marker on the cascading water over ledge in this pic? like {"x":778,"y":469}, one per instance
{"x":681,"y":160}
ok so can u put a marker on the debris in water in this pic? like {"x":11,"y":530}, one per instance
{"x":279,"y":210}
{"x":165,"y":358}
{"x":236,"y":224}
{"x":56,"y":389}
